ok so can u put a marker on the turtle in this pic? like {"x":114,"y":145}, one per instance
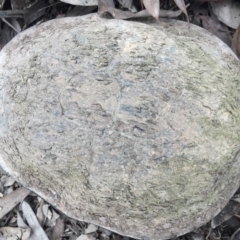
{"x":130,"y":126}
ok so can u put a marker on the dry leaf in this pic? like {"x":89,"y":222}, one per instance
{"x":8,"y":190}
{"x":153,"y":7}
{"x":58,"y":230}
{"x":85,"y":237}
{"x":37,"y":231}
{"x":216,"y":28}
{"x":80,"y":11}
{"x":236,"y":235}
{"x":35,"y":11}
{"x":210,"y":0}
{"x":236,"y":197}
{"x":105,"y":231}
{"x":227,"y":12}
{"x":236,"y":42}
{"x":1,"y":184}
{"x":116,"y":13}
{"x":55,"y":216}
{"x":19,"y":4}
{"x":109,"y":3}
{"x":20,"y":222}
{"x":47,"y":213}
{"x":119,"y":14}
{"x":40,"y":216}
{"x":7,"y":181}
{"x":199,"y":11}
{"x":182,"y":6}
{"x":128,"y":4}
{"x":230,"y":210}
{"x":2,"y":3}
{"x":8,"y":202}
{"x":17,"y":24}
{"x":81,"y":2}
{"x":197,"y":236}
{"x":91,"y":228}
{"x":10,"y":233}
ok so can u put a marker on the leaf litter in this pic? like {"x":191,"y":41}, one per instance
{"x":236,"y":42}
{"x":153,"y":7}
{"x":24,"y":215}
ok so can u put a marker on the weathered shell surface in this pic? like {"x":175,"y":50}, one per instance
{"x":130,"y":126}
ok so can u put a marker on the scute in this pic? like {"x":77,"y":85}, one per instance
{"x":130,"y":126}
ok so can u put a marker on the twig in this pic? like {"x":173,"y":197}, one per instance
{"x":10,"y":25}
{"x":209,"y":233}
{"x":12,"y":14}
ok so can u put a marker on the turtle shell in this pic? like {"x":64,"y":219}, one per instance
{"x":130,"y":126}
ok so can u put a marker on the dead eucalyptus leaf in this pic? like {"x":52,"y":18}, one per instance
{"x":81,"y":2}
{"x":115,"y":13}
{"x":227,"y":12}
{"x":20,"y":222}
{"x":8,"y":190}
{"x":216,"y":28}
{"x":91,"y":228}
{"x":2,"y":3}
{"x":210,"y":0}
{"x":19,"y":4}
{"x":109,"y":3}
{"x":55,"y":216}
{"x":8,"y":202}
{"x":40,"y":215}
{"x":236,"y":42}
{"x":58,"y":230}
{"x":182,"y":6}
{"x":236,"y":235}
{"x":85,"y":237}
{"x":80,"y":11}
{"x":10,"y":233}
{"x":47,"y":213}
{"x":31,"y":218}
{"x":230,"y":210}
{"x":128,"y":4}
{"x":7,"y":181}
{"x":119,"y":14}
{"x":35,"y":11}
{"x":105,"y":231}
{"x":197,"y":236}
{"x":153,"y":7}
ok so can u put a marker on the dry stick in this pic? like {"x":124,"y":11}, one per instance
{"x":12,"y":14}
{"x":10,"y":25}
{"x":209,"y":233}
